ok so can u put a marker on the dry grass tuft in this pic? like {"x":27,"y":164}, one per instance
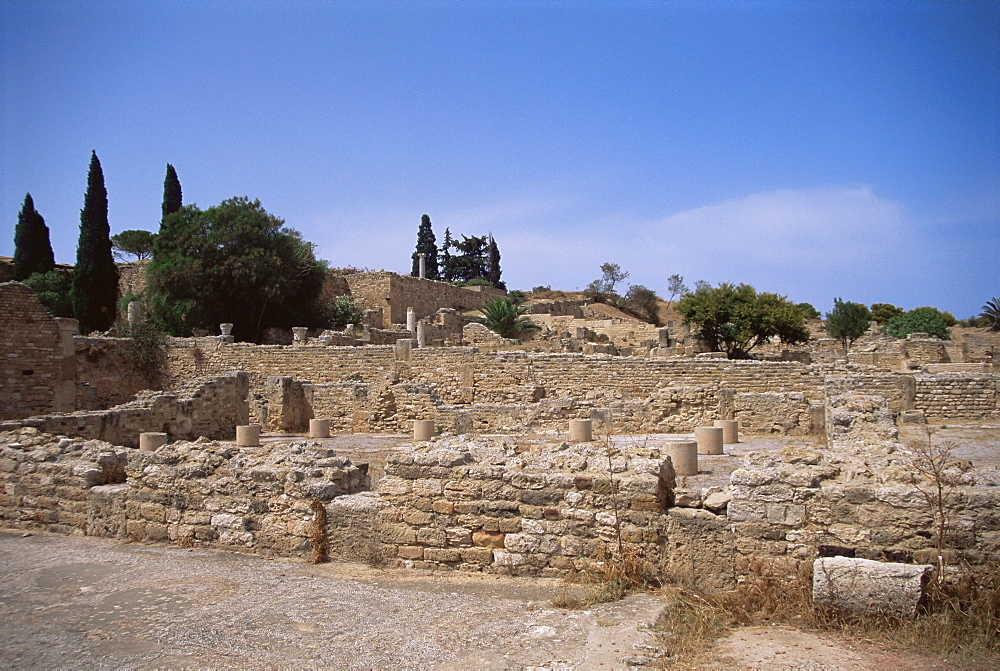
{"x":615,"y":575}
{"x":960,"y":619}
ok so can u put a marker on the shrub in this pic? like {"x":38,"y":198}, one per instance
{"x":919,"y":320}
{"x":53,"y":291}
{"x":501,"y":316}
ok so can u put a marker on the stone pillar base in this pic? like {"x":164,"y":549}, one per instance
{"x":730,"y":430}
{"x":423,"y":430}
{"x":151,"y":440}
{"x":683,"y":455}
{"x":319,"y":428}
{"x":581,"y":430}
{"x":248,"y":435}
{"x":709,"y":439}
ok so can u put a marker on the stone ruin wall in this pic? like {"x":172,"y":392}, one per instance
{"x":201,"y":493}
{"x":395,"y":293}
{"x":210,"y":407}
{"x":38,"y":365}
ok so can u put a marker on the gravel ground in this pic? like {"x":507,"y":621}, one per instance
{"x":75,"y":602}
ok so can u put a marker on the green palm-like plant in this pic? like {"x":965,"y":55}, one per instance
{"x":505,"y":318}
{"x":991,"y":313}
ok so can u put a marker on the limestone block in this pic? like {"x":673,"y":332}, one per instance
{"x":866,"y":586}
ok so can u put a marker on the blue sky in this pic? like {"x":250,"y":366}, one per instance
{"x":814,"y":149}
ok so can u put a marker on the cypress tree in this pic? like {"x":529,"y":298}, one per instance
{"x":95,"y":280}
{"x":171,"y":192}
{"x":446,"y":273}
{"x":32,"y":248}
{"x":426,"y":245}
{"x":493,"y":264}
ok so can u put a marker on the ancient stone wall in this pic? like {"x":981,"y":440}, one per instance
{"x":484,"y":507}
{"x":106,"y":366}
{"x":203,"y":493}
{"x":38,"y":369}
{"x":395,"y":293}
{"x":132,"y":277}
{"x":957,"y":395}
{"x":209,"y":407}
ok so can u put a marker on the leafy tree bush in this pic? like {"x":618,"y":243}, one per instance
{"x":927,"y":320}
{"x":809,"y":311}
{"x":234,"y":263}
{"x":735,"y":319}
{"x":502,"y":316}
{"x":540,"y":288}
{"x":426,"y":245}
{"x":644,"y":303}
{"x":344,"y":311}
{"x":95,"y":280}
{"x":847,"y":321}
{"x":135,"y":243}
{"x":32,"y":247}
{"x":989,"y":318}
{"x":884,"y":313}
{"x":53,"y":291}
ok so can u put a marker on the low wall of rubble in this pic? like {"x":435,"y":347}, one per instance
{"x":191,"y":493}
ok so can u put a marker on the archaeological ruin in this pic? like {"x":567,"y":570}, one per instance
{"x":542,"y":457}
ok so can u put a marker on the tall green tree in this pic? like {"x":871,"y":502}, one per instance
{"x":426,"y":245}
{"x":847,"y":321}
{"x":444,"y":265}
{"x":884,"y":313}
{"x":137,"y":243}
{"x":32,"y":248}
{"x":735,"y":319}
{"x":172,"y":198}
{"x":470,"y":261}
{"x":95,"y":280}
{"x":234,"y":263}
{"x":493,"y":264}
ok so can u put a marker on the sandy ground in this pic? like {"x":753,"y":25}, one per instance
{"x":77,"y":602}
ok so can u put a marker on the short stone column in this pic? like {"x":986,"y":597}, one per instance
{"x":248,"y":435}
{"x":423,"y":430}
{"x":730,"y":430}
{"x":319,"y":428}
{"x":709,"y":439}
{"x":134,"y":312}
{"x":299,"y":335}
{"x":423,"y":265}
{"x":581,"y":430}
{"x":683,"y":455}
{"x":151,"y":440}
{"x":226,"y":329}
{"x":421,"y":334}
{"x":411,"y":320}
